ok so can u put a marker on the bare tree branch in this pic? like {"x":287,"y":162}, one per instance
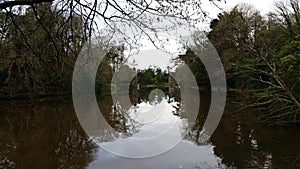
{"x":8,"y":4}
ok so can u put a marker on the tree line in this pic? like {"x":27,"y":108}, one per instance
{"x":261,"y":55}
{"x":38,"y":53}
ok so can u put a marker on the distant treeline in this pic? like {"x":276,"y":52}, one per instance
{"x":153,"y":77}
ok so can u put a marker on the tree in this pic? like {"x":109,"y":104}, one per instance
{"x":232,"y":34}
{"x":51,"y":33}
{"x":290,"y":11}
{"x":196,"y":66}
{"x":261,"y":57}
{"x":143,"y":16}
{"x":38,"y":54}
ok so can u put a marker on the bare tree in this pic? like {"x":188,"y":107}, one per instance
{"x":290,"y":11}
{"x":136,"y":14}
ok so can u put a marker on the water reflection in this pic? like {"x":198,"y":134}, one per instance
{"x":46,"y":134}
{"x":245,"y":145}
{"x":154,"y":123}
{"x":237,"y":148}
{"x":42,"y":134}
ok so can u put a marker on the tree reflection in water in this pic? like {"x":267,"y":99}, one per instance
{"x":116,"y":115}
{"x":241,"y":143}
{"x":42,"y":134}
{"x":244,"y":144}
{"x":46,"y":134}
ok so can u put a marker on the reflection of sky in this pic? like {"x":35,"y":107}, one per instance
{"x":185,"y":155}
{"x":155,"y":119}
{"x":159,"y":128}
{"x":159,"y":118}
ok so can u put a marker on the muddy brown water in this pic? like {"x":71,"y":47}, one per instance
{"x":46,"y":134}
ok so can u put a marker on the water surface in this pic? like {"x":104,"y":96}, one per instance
{"x":46,"y":134}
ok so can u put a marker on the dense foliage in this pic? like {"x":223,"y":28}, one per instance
{"x":37,"y":55}
{"x":153,"y":77}
{"x":260,"y":55}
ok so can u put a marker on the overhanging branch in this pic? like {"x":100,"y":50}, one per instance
{"x":7,"y":4}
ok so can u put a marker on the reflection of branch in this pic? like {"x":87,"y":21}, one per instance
{"x":120,"y":120}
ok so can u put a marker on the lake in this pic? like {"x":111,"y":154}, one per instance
{"x":46,"y":134}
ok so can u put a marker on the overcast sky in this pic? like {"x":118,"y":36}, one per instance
{"x":262,"y":5}
{"x":159,"y":59}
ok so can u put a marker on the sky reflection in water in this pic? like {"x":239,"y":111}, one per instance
{"x":159,"y":115}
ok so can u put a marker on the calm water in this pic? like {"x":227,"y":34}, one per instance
{"x":45,"y":134}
